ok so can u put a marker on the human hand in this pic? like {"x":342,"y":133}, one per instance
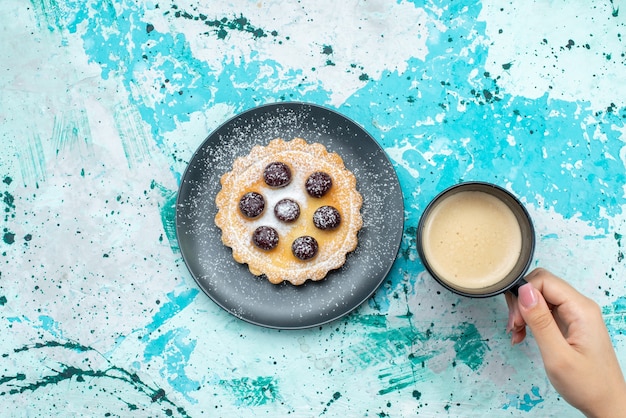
{"x":577,"y":352}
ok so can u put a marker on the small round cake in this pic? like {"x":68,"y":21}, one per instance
{"x":290,"y":211}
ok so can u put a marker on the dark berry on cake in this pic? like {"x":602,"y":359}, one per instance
{"x":287,"y":210}
{"x":277,"y":174}
{"x":318,"y":183}
{"x":304,"y":247}
{"x":265,"y":237}
{"x":252,"y":204}
{"x":326,"y":217}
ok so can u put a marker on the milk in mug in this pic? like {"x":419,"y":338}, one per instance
{"x":471,"y":240}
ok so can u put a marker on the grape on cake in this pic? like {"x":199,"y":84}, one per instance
{"x":290,"y":211}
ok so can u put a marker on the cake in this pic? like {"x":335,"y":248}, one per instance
{"x":290,"y":211}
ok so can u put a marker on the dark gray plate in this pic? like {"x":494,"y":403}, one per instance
{"x":284,"y":306}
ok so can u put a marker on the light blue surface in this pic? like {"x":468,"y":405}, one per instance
{"x":102,"y":104}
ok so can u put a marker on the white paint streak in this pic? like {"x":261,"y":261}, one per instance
{"x":356,"y":30}
{"x":397,"y":155}
{"x":535,"y":40}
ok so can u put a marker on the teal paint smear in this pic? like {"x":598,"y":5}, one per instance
{"x":389,"y":343}
{"x":175,"y":352}
{"x":395,"y":382}
{"x":48,"y":13}
{"x":525,"y":402}
{"x":185,"y":79}
{"x":409,"y":349}
{"x":176,"y":303}
{"x":619,"y":306}
{"x":487,"y":125}
{"x":550,"y":236}
{"x":71,"y":131}
{"x":620,"y":253}
{"x":17,"y":377}
{"x":470,"y":346}
{"x":615,"y":318}
{"x":172,"y":345}
{"x":61,"y":373}
{"x":17,"y":319}
{"x":369,"y":320}
{"x":32,"y":161}
{"x":3,"y":300}
{"x":168,"y":213}
{"x":49,"y":325}
{"x":594,"y":237}
{"x":253,"y":391}
{"x":156,"y":346}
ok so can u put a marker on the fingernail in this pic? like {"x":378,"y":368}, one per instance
{"x":527,"y":296}
{"x":509,"y":325}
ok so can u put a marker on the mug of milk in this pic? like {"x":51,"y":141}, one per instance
{"x":476,"y":239}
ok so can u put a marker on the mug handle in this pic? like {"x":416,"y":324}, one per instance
{"x":514,"y":289}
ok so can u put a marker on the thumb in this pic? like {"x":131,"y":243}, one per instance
{"x":538,"y":317}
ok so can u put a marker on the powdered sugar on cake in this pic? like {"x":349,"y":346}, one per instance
{"x":279,"y":264}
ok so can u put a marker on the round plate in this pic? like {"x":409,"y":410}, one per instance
{"x":285,"y":306}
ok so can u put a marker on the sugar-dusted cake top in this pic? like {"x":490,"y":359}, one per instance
{"x":290,"y":211}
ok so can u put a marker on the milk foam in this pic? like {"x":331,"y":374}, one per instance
{"x":471,"y":239}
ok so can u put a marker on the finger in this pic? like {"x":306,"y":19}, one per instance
{"x":516,"y":325}
{"x":517,"y":336}
{"x":538,"y":317}
{"x":555,"y":290}
{"x":512,"y":305}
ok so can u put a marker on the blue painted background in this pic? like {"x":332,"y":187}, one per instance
{"x":104,"y":102}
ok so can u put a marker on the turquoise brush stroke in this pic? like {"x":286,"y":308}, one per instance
{"x":525,"y":402}
{"x":615,"y":318}
{"x":168,"y":213}
{"x":594,"y":237}
{"x":176,"y":303}
{"x":172,"y":345}
{"x":175,"y":351}
{"x":409,"y":348}
{"x":118,"y":342}
{"x":476,"y":138}
{"x":17,"y":319}
{"x":470,"y":346}
{"x":185,"y":79}
{"x":253,"y":391}
{"x":550,"y":236}
{"x":50,"y":325}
